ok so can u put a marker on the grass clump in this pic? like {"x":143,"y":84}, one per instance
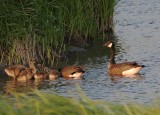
{"x":39,"y":103}
{"x":40,"y":29}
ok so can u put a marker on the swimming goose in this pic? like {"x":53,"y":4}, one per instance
{"x":41,"y":73}
{"x":72,"y":72}
{"x":28,"y":72}
{"x":126,"y":69}
{"x":14,"y":71}
{"x":52,"y":73}
{"x":45,"y":72}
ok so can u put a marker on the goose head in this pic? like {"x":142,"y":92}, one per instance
{"x":108,"y":44}
{"x":53,"y":74}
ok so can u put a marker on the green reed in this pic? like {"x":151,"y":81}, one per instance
{"x":38,"y":103}
{"x":49,"y":25}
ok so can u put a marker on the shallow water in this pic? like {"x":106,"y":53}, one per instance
{"x":137,"y":31}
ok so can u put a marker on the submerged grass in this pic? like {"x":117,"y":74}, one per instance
{"x":38,"y":103}
{"x":46,"y":25}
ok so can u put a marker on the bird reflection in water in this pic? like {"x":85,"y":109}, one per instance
{"x":116,"y":78}
{"x":21,"y":86}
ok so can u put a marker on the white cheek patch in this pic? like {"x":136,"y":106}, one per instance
{"x":76,"y":75}
{"x":110,"y":45}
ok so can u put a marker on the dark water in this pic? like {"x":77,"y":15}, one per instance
{"x":137,"y":31}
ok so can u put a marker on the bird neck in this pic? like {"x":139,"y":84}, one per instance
{"x":47,"y":70}
{"x":112,"y":55}
{"x":32,"y":66}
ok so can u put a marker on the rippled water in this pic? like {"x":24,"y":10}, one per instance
{"x":137,"y":31}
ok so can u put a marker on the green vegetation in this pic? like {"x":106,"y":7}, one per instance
{"x":38,"y":103}
{"x":40,"y":29}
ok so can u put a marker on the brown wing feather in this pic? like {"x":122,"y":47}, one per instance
{"x":119,"y":68}
{"x":66,"y":71}
{"x":130,"y":63}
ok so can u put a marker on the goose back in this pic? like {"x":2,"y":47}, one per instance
{"x":40,"y":75}
{"x":69,"y":70}
{"x":14,"y":71}
{"x":28,"y":72}
{"x":118,"y":69}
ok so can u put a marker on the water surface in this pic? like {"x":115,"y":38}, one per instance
{"x":137,"y":31}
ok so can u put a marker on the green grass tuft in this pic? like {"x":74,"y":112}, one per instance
{"x":38,"y":103}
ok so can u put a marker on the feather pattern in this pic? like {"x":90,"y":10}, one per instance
{"x":70,"y":70}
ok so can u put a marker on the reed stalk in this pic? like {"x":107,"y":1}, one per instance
{"x":48,"y":25}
